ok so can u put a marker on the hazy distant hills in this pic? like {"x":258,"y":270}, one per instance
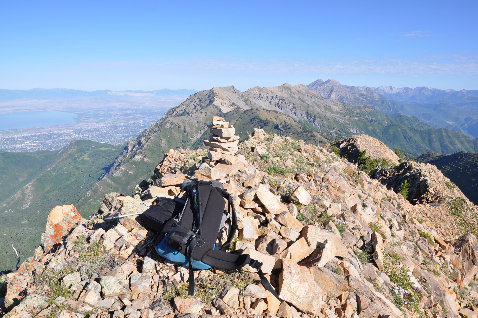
{"x":60,"y":93}
{"x":460,"y":167}
{"x":457,"y":110}
{"x":32,"y":183}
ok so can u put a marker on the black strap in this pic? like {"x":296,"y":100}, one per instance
{"x":196,"y":206}
{"x":233,"y":228}
{"x":225,"y":261}
{"x":257,"y":265}
{"x":189,"y":251}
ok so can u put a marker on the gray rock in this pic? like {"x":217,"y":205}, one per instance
{"x":255,"y":291}
{"x":71,"y":281}
{"x":162,"y":307}
{"x":148,"y":265}
{"x":110,"y":286}
{"x":105,"y":303}
{"x":140,"y":283}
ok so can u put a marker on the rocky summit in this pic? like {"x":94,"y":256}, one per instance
{"x":333,"y":241}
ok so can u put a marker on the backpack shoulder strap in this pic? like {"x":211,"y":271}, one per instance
{"x":232,"y":230}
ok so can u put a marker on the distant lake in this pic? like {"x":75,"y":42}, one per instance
{"x":36,"y":119}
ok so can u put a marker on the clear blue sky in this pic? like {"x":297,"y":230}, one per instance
{"x":200,"y":44}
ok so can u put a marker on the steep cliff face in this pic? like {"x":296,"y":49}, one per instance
{"x":333,"y":242}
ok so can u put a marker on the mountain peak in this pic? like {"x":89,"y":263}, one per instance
{"x":332,"y":82}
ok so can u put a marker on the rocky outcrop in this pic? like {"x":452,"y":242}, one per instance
{"x":426,"y":184}
{"x":353,"y":248}
{"x":350,"y":148}
{"x":59,"y":222}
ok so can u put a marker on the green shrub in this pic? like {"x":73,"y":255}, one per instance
{"x":368,"y":164}
{"x":400,"y":154}
{"x":457,"y":206}
{"x":375,"y":226}
{"x":427,"y":236}
{"x":365,"y":255}
{"x":404,"y":189}
{"x":334,"y":149}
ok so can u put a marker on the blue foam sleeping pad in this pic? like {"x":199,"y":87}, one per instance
{"x":166,"y":251}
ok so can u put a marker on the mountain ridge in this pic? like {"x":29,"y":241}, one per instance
{"x":450,"y":109}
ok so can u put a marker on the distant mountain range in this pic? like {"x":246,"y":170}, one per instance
{"x":86,"y":171}
{"x":457,"y":110}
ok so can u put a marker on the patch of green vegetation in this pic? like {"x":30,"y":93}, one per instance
{"x":52,"y":279}
{"x":232,"y":247}
{"x":94,"y":257}
{"x":365,"y":255}
{"x":275,"y":169}
{"x":403,"y":291}
{"x":376,"y":286}
{"x":310,"y":214}
{"x":375,"y":226}
{"x":338,"y":270}
{"x":274,"y":183}
{"x":427,"y":236}
{"x":457,"y":206}
{"x":334,"y":149}
{"x":368,"y":164}
{"x":404,"y":189}
{"x":341,"y":227}
{"x":211,"y":286}
{"x":450,"y":185}
{"x":400,"y":154}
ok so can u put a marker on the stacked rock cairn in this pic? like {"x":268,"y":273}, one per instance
{"x":223,"y":142}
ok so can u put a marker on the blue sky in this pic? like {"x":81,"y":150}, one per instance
{"x":200,"y":44}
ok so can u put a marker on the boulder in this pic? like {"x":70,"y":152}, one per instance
{"x":272,"y":303}
{"x":286,"y":311}
{"x":301,"y":196}
{"x":60,"y":221}
{"x":110,"y":286}
{"x":250,"y":228}
{"x":231,"y":298}
{"x":172,"y":179}
{"x":377,"y":245}
{"x":269,"y":200}
{"x":298,"y":287}
{"x":298,"y":250}
{"x":329,"y":245}
{"x":467,"y":248}
{"x":287,"y":219}
{"x":267,"y":261}
{"x":255,"y":291}
{"x":374,"y":148}
{"x":188,"y":305}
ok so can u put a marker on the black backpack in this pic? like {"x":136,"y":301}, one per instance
{"x":190,"y":230}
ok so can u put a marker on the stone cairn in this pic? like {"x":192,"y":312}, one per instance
{"x":223,"y":142}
